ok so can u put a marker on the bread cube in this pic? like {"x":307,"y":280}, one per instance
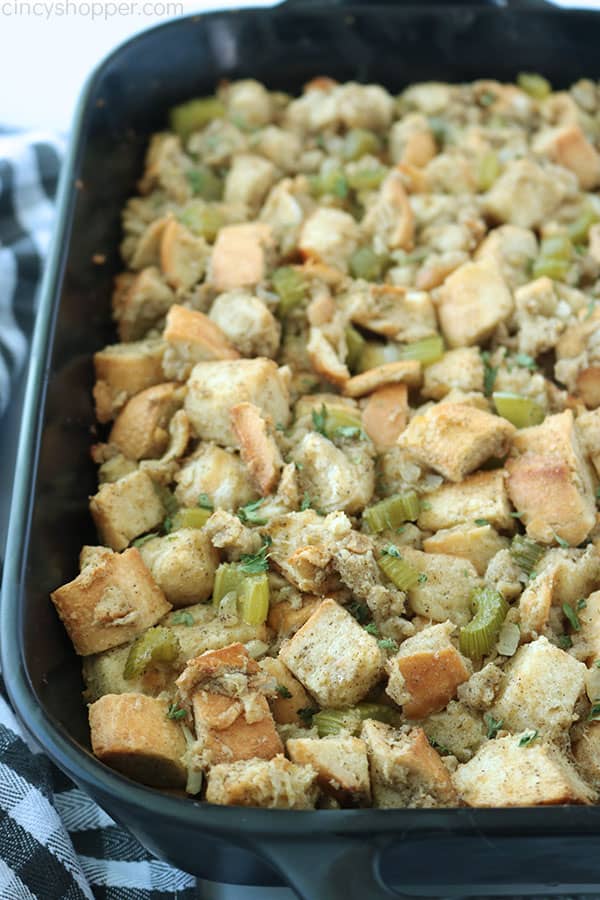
{"x":551,"y":483}
{"x":390,"y":219}
{"x":290,"y":696}
{"x":123,"y":370}
{"x":512,"y":249}
{"x":183,"y":564}
{"x":183,"y":256}
{"x":406,"y":372}
{"x":588,"y":430}
{"x":247,"y":101}
{"x":586,"y":752}
{"x":140,"y":302}
{"x":457,"y":729}
{"x":476,"y":543}
{"x":132,"y":734}
{"x":385,"y":415}
{"x":329,"y":236}
{"x":589,"y":617}
{"x":228,"y":730}
{"x":525,"y":194}
{"x":426,"y":672}
{"x":123,"y":510}
{"x":286,"y":619}
{"x":460,"y":369}
{"x":445,"y":591}
{"x":541,"y":687}
{"x":565,"y":576}
{"x":480,"y":496}
{"x":506,"y":773}
{"x":333,"y":657}
{"x":219,"y":474}
{"x":258,"y":449}
{"x":568,"y":146}
{"x":247,"y":322}
{"x":192,"y":337}
{"x":332,"y":477}
{"x":411,"y":141}
{"x":140,"y":430}
{"x":473,"y":301}
{"x":390,"y":310}
{"x":275,"y":784}
{"x":248,"y":181}
{"x":215,"y":387}
{"x":405,"y":769}
{"x":454,"y":439}
{"x":240,"y":255}
{"x":342,"y":766}
{"x":301,"y":548}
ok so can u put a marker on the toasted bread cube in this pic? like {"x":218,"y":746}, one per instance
{"x":124,"y":509}
{"x":506,"y":773}
{"x":385,"y":415}
{"x":588,"y":430}
{"x":512,"y":249}
{"x":473,"y":301}
{"x":454,"y":439}
{"x":212,"y":665}
{"x":109,"y":603}
{"x":290,"y":696}
{"x":551,"y":483}
{"x":480,"y":496}
{"x":333,"y":657}
{"x":460,"y":369}
{"x":329,"y":236}
{"x":140,"y":431}
{"x":226,"y":731}
{"x":390,"y":219}
{"x":286,"y":619}
{"x":248,"y":181}
{"x":411,"y":141}
{"x":569,"y":147}
{"x":214,"y":388}
{"x":239,"y":257}
{"x":140,"y":302}
{"x":192,"y":337}
{"x":132,"y":734}
{"x":426,"y":672}
{"x":457,"y":729}
{"x":301,"y":548}
{"x":588,"y":386}
{"x":477,"y":543}
{"x":407,"y":372}
{"x":258,"y":449}
{"x":342,"y":766}
{"x":390,"y":310}
{"x":586,"y":752}
{"x":123,"y":370}
{"x":183,"y":564}
{"x":541,"y":687}
{"x":405,"y":769}
{"x":324,"y":358}
{"x":275,"y":784}
{"x":165,"y":167}
{"x":445,"y":591}
{"x":589,"y":617}
{"x":524,"y":194}
{"x":329,"y":474}
{"x":565,"y":576}
{"x":219,"y":474}
{"x":247,"y":322}
{"x":249,"y":101}
{"x":183,"y":256}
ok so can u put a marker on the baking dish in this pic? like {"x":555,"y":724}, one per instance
{"x":321,"y":854}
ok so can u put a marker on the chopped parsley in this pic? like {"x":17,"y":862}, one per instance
{"x":590,"y":309}
{"x":307,"y":713}
{"x":493,"y":725}
{"x":481,"y":522}
{"x":528,"y":738}
{"x":280,"y":426}
{"x":139,"y":542}
{"x":564,"y":642}
{"x":572,"y":616}
{"x":526,"y":361}
{"x":182,"y":618}
{"x":487,"y":98}
{"x":489,"y":374}
{"x":560,"y":541}
{"x":204,"y":502}
{"x":597,"y":663}
{"x":422,"y":577}
{"x":390,"y":550}
{"x":581,"y":603}
{"x":167,"y":524}
{"x":360,"y":611}
{"x":441,"y":748}
{"x":349,"y":431}
{"x":319,"y":420}
{"x":598,"y":493}
{"x":176,"y":712}
{"x":249,"y":514}
{"x":306,"y":502}
{"x":283,"y":691}
{"x":372,"y":628}
{"x":594,"y":713}
{"x":388,"y":644}
{"x":256,"y":563}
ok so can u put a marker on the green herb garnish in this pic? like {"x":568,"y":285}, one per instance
{"x":372,"y":628}
{"x":441,"y":748}
{"x":390,"y":550}
{"x":564,"y":642}
{"x":489,"y":374}
{"x":307,"y":712}
{"x":493,"y":725}
{"x":388,"y":644}
{"x":176,"y":712}
{"x":204,"y":502}
{"x":528,"y":738}
{"x":255,"y":563}
{"x":182,"y":618}
{"x":571,"y":616}
{"x":283,"y":691}
{"x":481,"y":522}
{"x":360,"y":611}
{"x":249,"y":513}
{"x":526,"y":361}
{"x":594,"y":713}
{"x":319,"y":420}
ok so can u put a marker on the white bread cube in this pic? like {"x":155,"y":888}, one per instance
{"x":458,"y":729}
{"x":473,"y":301}
{"x":139,"y":302}
{"x":247,"y":101}
{"x":258,"y":449}
{"x":228,"y":730}
{"x":525,"y":194}
{"x":390,"y":310}
{"x":183,"y":564}
{"x":302,"y":548}
{"x":454,"y":439}
{"x":480,"y":496}
{"x":248,"y":181}
{"x":425,"y":673}
{"x":390,"y":219}
{"x":588,"y":429}
{"x":405,"y":769}
{"x":275,"y":784}
{"x":247,"y":322}
{"x":141,"y":429}
{"x":568,"y":146}
{"x":123,"y":510}
{"x":240,"y":255}
{"x":476,"y":543}
{"x":342,"y":766}
{"x":406,"y":371}
{"x":445,"y":592}
{"x":460,"y":369}
{"x":506,"y":773}
{"x":192,"y":337}
{"x":332,"y":477}
{"x":183,"y":256}
{"x":551,"y":482}
{"x":329,"y":236}
{"x":589,"y":617}
{"x":512,"y":249}
{"x":132,"y":734}
{"x":290,"y":695}
{"x":541,"y":687}
{"x":385,"y":415}
{"x":215,"y":387}
{"x":333,"y":657}
{"x":123,"y":370}
{"x":218,"y":473}
{"x":109,"y":603}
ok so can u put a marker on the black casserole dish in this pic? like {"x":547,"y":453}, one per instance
{"x":324,"y":854}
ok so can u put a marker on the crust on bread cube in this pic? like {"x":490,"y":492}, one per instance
{"x":183,"y":564}
{"x":275,"y":784}
{"x":240,"y":254}
{"x":218,"y":473}
{"x":228,"y":730}
{"x":139,"y":302}
{"x":460,"y":369}
{"x":385,"y":415}
{"x":476,"y":543}
{"x":123,"y":370}
{"x":551,"y":482}
{"x":141,"y":429}
{"x":290,"y":696}
{"x":132,"y":734}
{"x":454,"y":439}
{"x":589,"y":619}
{"x":473,"y":301}
{"x":183,"y":256}
{"x":405,"y":769}
{"x":505,"y":772}
{"x":480,"y":496}
{"x":569,"y":147}
{"x":342,"y":766}
{"x":541,"y":687}
{"x":110,"y":603}
{"x":192,"y":337}
{"x":525,"y":194}
{"x":336,"y":660}
{"x":425,"y":673}
{"x":123,"y":510}
{"x":215,"y":387}
{"x":445,"y":591}
{"x":258,"y":448}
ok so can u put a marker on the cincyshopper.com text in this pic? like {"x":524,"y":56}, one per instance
{"x":49,"y":9}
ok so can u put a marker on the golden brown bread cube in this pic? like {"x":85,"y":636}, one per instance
{"x":460,"y":369}
{"x":183,"y":256}
{"x":123,"y":370}
{"x":407,"y":372}
{"x":132,"y":733}
{"x":192,"y":337}
{"x":258,"y":449}
{"x":333,"y":657}
{"x":209,"y":667}
{"x":473,"y":301}
{"x":286,"y":619}
{"x":290,"y":696}
{"x":239,"y":256}
{"x":139,"y":302}
{"x":110,"y":603}
{"x":141,"y":430}
{"x":446,"y":588}
{"x":342,"y":766}
{"x":480,"y":496}
{"x":525,"y":194}
{"x":385,"y":415}
{"x":218,"y":473}
{"x":454,"y":439}
{"x":229,"y":731}
{"x":183,"y":564}
{"x":275,"y":783}
{"x":124,"y":509}
{"x":476,"y":543}
{"x":506,"y":772}
{"x":569,"y":147}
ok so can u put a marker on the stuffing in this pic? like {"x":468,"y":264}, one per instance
{"x":390,"y":219}
{"x":140,"y":302}
{"x":456,"y":730}
{"x":526,"y":194}
{"x":183,"y":564}
{"x":578,"y":359}
{"x":543,"y":312}
{"x":192,"y":337}
{"x":302,"y":548}
{"x":473,"y":301}
{"x":480,"y":496}
{"x":390,"y":311}
{"x":140,"y":431}
{"x":342,"y":766}
{"x":247,"y":323}
{"x":329,"y":236}
{"x":586,"y":752}
{"x":411,"y":141}
{"x":247,"y":101}
{"x":482,"y":688}
{"x":258,"y":449}
{"x":588,"y":429}
{"x":589,"y":619}
{"x":513,"y":249}
{"x":219,"y":474}
{"x":227,"y":533}
{"x":476,"y":543}
{"x":341,"y":480}
{"x":275,"y":784}
{"x":445,"y":592}
{"x":460,"y":369}
{"x":289,"y":696}
{"x":183,"y":256}
{"x":284,"y":211}
{"x":123,"y":370}
{"x":248,"y":181}
{"x":406,"y":372}
{"x":125,"y":509}
{"x":385,"y":415}
{"x":240,"y":255}
{"x":569,"y":147}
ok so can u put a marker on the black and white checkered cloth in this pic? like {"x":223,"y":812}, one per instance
{"x":55,"y":842}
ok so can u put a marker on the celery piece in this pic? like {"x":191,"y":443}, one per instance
{"x":202,"y":220}
{"x":551,"y":267}
{"x":556,"y":246}
{"x":355,"y":343}
{"x":253,"y":599}
{"x":333,"y":721}
{"x":521,"y":411}
{"x":204,"y":183}
{"x":365,"y":263}
{"x":488,"y":170}
{"x":227,"y":580}
{"x":367,"y":179}
{"x":156,"y":645}
{"x":337,"y":417}
{"x":195,"y":114}
{"x":578,"y":230}
{"x":193,"y":517}
{"x":290,"y":286}
{"x":479,"y":636}
{"x":427,"y":351}
{"x":533,"y":84}
{"x":392,"y":512}
{"x":401,"y":573}
{"x":376,"y":354}
{"x":526,"y":553}
{"x":333,"y":182}
{"x":358,"y":142}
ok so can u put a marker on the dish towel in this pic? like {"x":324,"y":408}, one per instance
{"x":55,"y":842}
